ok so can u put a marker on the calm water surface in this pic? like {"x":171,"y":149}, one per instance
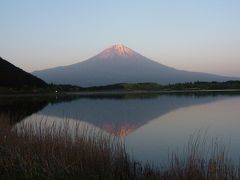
{"x":151,"y":125}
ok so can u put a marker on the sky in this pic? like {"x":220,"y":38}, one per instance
{"x":195,"y":35}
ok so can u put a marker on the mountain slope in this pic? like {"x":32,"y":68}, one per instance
{"x":119,"y":64}
{"x":12,"y":76}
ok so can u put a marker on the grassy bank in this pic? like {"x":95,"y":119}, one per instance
{"x":34,"y":152}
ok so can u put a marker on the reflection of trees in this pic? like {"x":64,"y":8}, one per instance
{"x":16,"y":110}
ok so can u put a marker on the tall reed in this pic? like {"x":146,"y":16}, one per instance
{"x":30,"y":151}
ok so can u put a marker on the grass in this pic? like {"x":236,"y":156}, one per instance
{"x":30,"y":151}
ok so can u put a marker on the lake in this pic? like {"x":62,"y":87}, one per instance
{"x":151,"y":125}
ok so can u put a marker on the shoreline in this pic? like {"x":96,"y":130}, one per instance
{"x":115,"y":92}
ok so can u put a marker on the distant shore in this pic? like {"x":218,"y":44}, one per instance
{"x":150,"y":92}
{"x":94,"y":93}
{"x":123,"y":88}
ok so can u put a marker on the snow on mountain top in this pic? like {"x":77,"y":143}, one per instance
{"x":117,"y":50}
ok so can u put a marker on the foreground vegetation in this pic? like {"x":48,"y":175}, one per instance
{"x":35,"y":152}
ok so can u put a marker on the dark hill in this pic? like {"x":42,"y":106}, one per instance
{"x":12,"y":76}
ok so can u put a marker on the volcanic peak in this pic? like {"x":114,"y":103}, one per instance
{"x":116,"y":50}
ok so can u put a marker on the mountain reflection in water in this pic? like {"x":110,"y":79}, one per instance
{"x":116,"y":114}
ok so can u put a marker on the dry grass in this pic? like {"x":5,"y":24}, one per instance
{"x":202,"y":159}
{"x":34,"y":152}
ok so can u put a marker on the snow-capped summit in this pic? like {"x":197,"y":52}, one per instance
{"x":116,"y":50}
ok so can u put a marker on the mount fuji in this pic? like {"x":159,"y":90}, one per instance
{"x":120,"y":64}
